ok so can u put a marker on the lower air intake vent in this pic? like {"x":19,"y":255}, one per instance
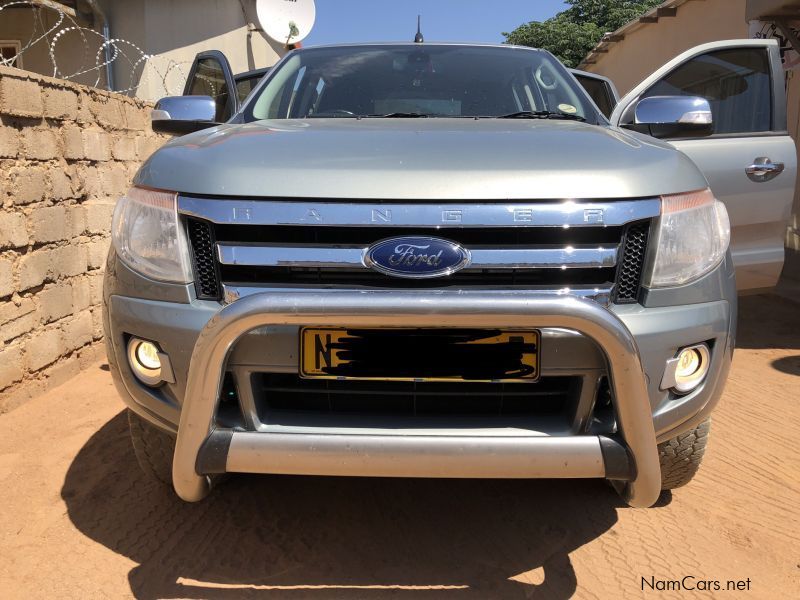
{"x":629,"y":276}
{"x":206,"y":279}
{"x":277,"y":393}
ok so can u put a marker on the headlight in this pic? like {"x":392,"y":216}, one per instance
{"x":692,"y":238}
{"x":148,"y":237}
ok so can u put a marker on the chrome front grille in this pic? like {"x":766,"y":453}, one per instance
{"x":351,"y":257}
{"x":587,"y":248}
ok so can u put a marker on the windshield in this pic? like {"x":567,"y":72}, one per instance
{"x":420,"y":81}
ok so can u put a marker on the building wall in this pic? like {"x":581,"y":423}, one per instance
{"x":67,"y":152}
{"x":698,"y":21}
{"x":71,"y":53}
{"x":653,"y":44}
{"x":176,"y":30}
{"x":173,"y":31}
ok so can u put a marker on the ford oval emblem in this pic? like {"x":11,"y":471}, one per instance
{"x":416,"y":257}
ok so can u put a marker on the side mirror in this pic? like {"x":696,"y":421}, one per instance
{"x":179,"y":115}
{"x":674,"y":116}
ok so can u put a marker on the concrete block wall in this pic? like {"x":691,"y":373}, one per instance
{"x":67,"y":152}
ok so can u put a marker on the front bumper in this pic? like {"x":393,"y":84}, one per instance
{"x":634,"y":341}
{"x":629,"y":457}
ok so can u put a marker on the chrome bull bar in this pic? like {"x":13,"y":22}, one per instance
{"x":568,"y":456}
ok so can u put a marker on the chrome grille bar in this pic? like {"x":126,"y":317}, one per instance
{"x":567,"y":213}
{"x":602,"y":295}
{"x":332,"y":257}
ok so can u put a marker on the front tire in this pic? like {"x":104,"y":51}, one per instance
{"x":153,"y":447}
{"x":680,"y":457}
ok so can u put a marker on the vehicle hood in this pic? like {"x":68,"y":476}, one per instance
{"x":420,"y":159}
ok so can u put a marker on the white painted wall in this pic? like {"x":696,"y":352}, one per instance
{"x":176,"y":30}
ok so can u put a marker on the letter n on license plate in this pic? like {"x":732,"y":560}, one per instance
{"x":395,"y":354}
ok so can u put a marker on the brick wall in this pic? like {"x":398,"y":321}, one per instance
{"x":66,"y":153}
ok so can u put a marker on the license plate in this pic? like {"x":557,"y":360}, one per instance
{"x":419,"y":354}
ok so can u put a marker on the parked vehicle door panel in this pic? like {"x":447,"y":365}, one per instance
{"x":211,"y":75}
{"x":600,"y":89}
{"x":744,"y":83}
{"x":759,"y":212}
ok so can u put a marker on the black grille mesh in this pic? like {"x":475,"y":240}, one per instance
{"x":288,"y":392}
{"x":206,"y":279}
{"x":629,"y":275}
{"x":364,"y":277}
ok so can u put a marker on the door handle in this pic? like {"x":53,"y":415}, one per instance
{"x":763,"y":169}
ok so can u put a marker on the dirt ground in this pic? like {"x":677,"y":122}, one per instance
{"x":77,"y":520}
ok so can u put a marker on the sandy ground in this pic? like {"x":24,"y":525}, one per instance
{"x":78,"y":521}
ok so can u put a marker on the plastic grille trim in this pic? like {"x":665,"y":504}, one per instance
{"x":631,"y":265}
{"x":206,"y":271}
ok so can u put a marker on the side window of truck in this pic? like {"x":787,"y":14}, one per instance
{"x":245,"y":85}
{"x":736,"y":82}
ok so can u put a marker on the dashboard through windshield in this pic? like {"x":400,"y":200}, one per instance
{"x":417,"y":81}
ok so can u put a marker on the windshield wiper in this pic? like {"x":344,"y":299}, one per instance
{"x":400,"y":115}
{"x":541,"y":114}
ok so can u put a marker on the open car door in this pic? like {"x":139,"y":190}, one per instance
{"x":211,"y":75}
{"x":600,"y":89}
{"x":749,"y":159}
{"x":215,"y":95}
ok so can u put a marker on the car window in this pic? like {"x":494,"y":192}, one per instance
{"x":736,"y":82}
{"x":209,"y":80}
{"x":436,"y":81}
{"x":245,"y":85}
{"x":598,"y":91}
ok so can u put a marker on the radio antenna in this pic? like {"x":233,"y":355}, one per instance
{"x":418,"y":39}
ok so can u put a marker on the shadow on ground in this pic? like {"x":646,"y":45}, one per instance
{"x":768,"y":321}
{"x":788,"y":364}
{"x":333,"y":537}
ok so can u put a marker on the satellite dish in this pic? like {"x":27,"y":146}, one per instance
{"x":286,"y":21}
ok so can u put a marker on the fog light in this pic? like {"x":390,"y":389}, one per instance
{"x":145,"y":360}
{"x":147,"y":355}
{"x":688,"y":364}
{"x":685,"y":372}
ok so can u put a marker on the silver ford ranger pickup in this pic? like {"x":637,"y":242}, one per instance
{"x":442,"y":260}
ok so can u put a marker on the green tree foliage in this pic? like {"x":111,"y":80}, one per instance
{"x":571,"y":34}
